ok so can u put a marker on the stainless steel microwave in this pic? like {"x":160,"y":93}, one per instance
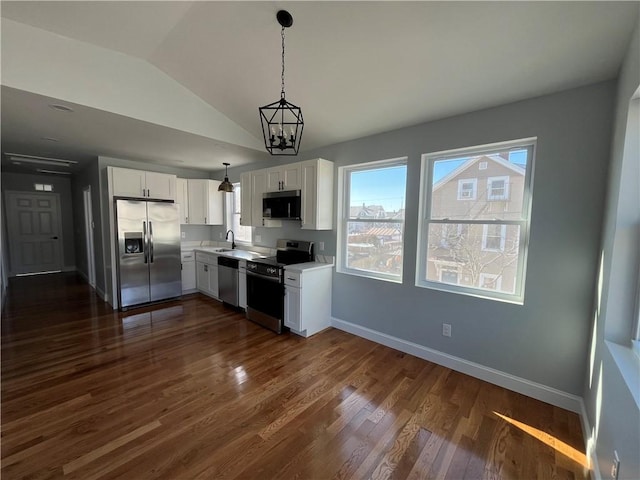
{"x":283,"y":205}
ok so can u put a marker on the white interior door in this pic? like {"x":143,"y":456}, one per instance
{"x":35,"y":232}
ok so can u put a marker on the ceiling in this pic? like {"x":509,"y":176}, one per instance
{"x":355,"y":68}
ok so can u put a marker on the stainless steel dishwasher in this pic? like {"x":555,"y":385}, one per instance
{"x":228,"y":280}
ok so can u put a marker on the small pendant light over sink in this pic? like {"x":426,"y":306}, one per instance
{"x":282,"y":121}
{"x":226,"y":185}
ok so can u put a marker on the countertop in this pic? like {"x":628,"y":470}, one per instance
{"x":302,"y":267}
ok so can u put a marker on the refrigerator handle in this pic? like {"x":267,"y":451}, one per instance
{"x":144,"y":240}
{"x":151,"y":241}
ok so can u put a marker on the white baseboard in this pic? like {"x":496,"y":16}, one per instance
{"x":526,"y":387}
{"x":589,"y":448}
{"x":102,"y":294}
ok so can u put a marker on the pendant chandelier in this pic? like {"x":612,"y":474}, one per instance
{"x":282,"y":122}
{"x":226,"y":185}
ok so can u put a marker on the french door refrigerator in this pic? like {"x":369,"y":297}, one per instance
{"x":149,"y":263}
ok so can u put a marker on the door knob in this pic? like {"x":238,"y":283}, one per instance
{"x":54,"y":238}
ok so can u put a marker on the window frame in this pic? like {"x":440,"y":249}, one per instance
{"x":229,"y":212}
{"x":474,"y":190}
{"x":497,"y":198}
{"x":344,"y":206}
{"x":485,"y":236}
{"x":424,"y":220}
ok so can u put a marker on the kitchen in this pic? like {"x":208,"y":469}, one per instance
{"x":146,"y":254}
{"x":542,"y":348}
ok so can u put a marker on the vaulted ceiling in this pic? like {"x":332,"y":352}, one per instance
{"x":179,"y":83}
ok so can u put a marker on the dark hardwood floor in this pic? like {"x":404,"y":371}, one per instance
{"x":192,"y":390}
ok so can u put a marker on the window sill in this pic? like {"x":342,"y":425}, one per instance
{"x":629,"y":365}
{"x":357,"y":273}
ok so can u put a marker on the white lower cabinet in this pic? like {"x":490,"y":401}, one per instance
{"x":207,"y":274}
{"x":188,"y":272}
{"x":307,"y":298}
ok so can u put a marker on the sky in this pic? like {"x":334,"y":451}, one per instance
{"x":386,"y":186}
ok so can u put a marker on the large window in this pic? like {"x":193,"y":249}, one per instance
{"x":372,"y":219}
{"x":232,"y":202}
{"x":474,"y":220}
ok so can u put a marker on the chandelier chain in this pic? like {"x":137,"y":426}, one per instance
{"x":282,"y":92}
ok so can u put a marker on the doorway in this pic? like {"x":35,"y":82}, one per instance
{"x":88,"y":228}
{"x":34,"y":228}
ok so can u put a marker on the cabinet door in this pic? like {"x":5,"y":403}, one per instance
{"x":291,"y":177}
{"x":258,"y":183}
{"x":308,"y":201}
{"x":292,"y":308}
{"x":245,"y":199}
{"x":285,"y":177}
{"x":188,"y":276}
{"x":196,"y":190}
{"x":128,"y":183}
{"x":202,"y":277}
{"x":317,"y":195}
{"x":214,"y":201}
{"x":160,"y":185}
{"x":273,"y":180}
{"x":182,"y":200}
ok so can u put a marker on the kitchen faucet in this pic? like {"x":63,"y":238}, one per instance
{"x":233,"y":238}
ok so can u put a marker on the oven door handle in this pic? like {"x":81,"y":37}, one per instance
{"x":263,"y":277}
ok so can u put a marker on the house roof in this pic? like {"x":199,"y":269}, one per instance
{"x":472,"y":161}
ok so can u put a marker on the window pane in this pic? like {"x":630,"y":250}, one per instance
{"x":374,"y":249}
{"x":480,"y":256}
{"x":487,"y":186}
{"x":241,"y":233}
{"x":377,"y":192}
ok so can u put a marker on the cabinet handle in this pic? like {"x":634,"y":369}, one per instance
{"x":206,"y":268}
{"x":289,"y":278}
{"x":205,"y":219}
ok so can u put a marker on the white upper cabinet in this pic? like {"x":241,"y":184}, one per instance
{"x":313,"y":177}
{"x":127,"y":182}
{"x":182,"y":198}
{"x":317,"y":194}
{"x":205,"y":202}
{"x":284,"y":177}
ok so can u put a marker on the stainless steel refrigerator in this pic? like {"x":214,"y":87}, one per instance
{"x":149,"y":260}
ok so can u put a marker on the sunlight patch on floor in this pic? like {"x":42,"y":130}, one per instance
{"x":549,"y":440}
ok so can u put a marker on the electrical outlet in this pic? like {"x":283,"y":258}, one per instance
{"x":183,"y":235}
{"x":615,"y":468}
{"x":220,"y":235}
{"x":446,"y":329}
{"x":321,"y":246}
{"x":258,"y":238}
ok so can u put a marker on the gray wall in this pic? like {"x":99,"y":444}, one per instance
{"x":612,"y":411}
{"x":545,"y":339}
{"x":88,"y":177}
{"x":23,"y":182}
